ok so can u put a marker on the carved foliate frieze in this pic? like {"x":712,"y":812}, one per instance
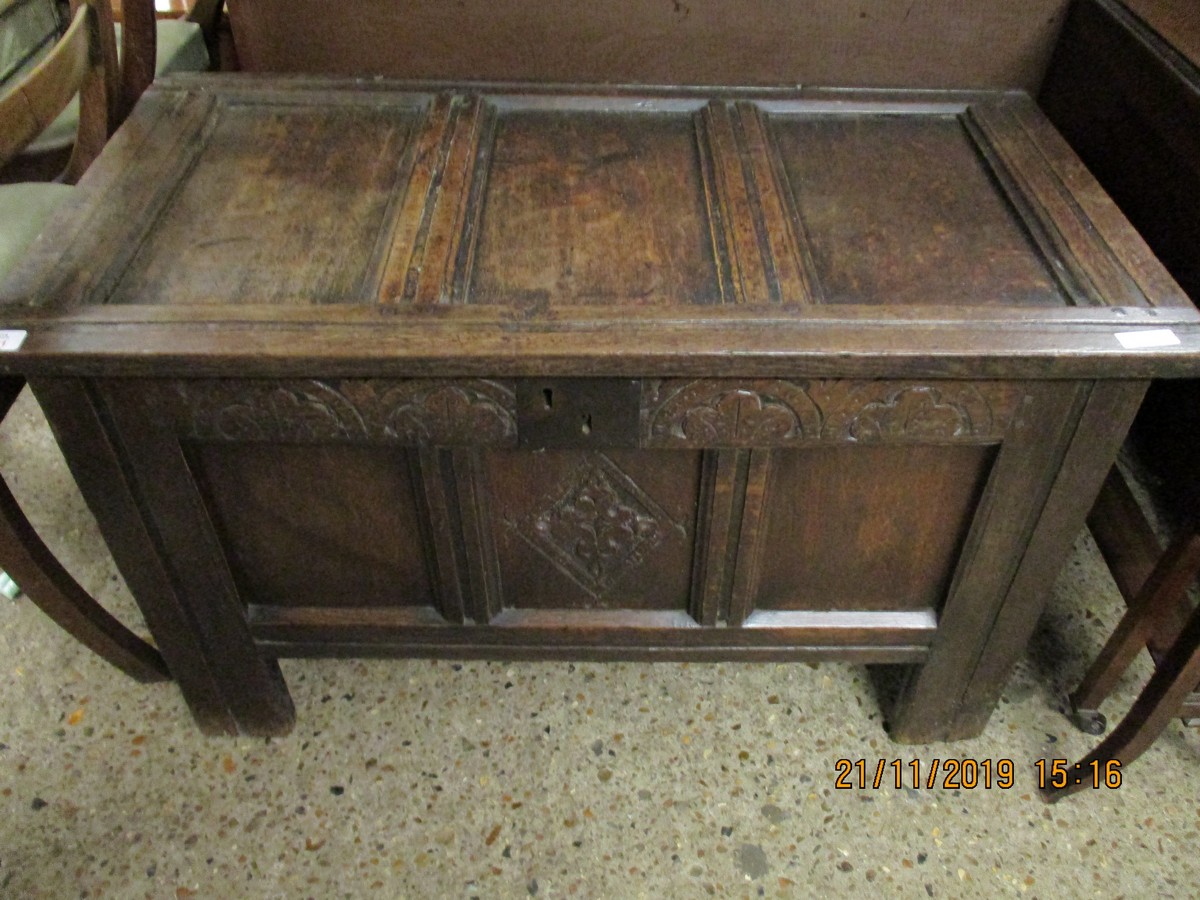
{"x":416,"y":412}
{"x":914,"y":412}
{"x":774,"y":412}
{"x":598,"y":528}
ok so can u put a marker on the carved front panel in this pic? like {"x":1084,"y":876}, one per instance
{"x":770,"y":413}
{"x":589,"y":530}
{"x":413,"y":412}
{"x":733,"y":496}
{"x":696,"y":413}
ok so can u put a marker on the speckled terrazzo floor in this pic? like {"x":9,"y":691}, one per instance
{"x":444,"y":779}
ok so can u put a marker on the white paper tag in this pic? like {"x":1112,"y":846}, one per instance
{"x":12,"y":339}
{"x":1140,"y":340}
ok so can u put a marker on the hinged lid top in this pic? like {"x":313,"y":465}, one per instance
{"x":664,"y":223}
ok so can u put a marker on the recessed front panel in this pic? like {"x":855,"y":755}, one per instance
{"x":866,"y":527}
{"x":316,"y":526}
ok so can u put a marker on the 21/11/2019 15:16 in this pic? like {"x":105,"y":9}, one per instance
{"x":969,"y":774}
{"x":1059,"y":773}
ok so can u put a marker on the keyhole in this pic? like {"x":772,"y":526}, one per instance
{"x":548,"y":397}
{"x":587,"y":424}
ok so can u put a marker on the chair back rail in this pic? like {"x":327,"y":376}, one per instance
{"x":83,"y":61}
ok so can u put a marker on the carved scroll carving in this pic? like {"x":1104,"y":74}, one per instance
{"x":914,"y":411}
{"x":765,"y":413}
{"x":599,"y":528}
{"x":417,"y":412}
{"x":712,"y":412}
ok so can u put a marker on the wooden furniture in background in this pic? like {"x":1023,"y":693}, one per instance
{"x":364,"y":368}
{"x":146,"y":46}
{"x":139,"y":63}
{"x":1129,"y":102}
{"x":1139,"y":565}
{"x":1124,"y":88}
{"x":83,"y":61}
{"x":873,"y":43}
{"x":1177,"y":669}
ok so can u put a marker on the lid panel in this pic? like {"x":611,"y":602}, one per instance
{"x":594,"y":208}
{"x":283,"y":206}
{"x":903,"y":210}
{"x":367,"y":228}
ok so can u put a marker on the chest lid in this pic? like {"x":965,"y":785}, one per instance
{"x":356,"y":225}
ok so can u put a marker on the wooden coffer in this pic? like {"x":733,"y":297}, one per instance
{"x":398,"y":369}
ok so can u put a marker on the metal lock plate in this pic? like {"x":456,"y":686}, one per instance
{"x":578,"y":413}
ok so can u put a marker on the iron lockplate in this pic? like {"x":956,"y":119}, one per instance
{"x":575,"y":413}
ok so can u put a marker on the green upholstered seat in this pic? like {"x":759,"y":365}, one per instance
{"x":24,"y":210}
{"x":180,"y":49}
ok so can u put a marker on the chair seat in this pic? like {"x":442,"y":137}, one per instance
{"x":180,"y":48}
{"x":24,"y":210}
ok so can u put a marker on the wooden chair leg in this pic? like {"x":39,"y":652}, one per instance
{"x":54,"y":592}
{"x":1177,"y":673}
{"x":1169,"y":581}
{"x":52,"y":589}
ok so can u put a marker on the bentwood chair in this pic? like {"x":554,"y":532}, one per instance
{"x":1153,"y":616}
{"x":82,"y":61}
{"x":179,"y":45}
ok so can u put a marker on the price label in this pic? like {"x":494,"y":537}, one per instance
{"x":11,"y":340}
{"x":1142,"y":340}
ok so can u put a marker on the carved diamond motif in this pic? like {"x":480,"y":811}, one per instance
{"x":601,"y":526}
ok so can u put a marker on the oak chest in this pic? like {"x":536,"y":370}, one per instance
{"x":350,"y":367}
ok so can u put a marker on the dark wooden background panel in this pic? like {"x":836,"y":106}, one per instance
{"x":968,"y":43}
{"x":284,"y":205}
{"x":324,"y":526}
{"x":584,"y":530}
{"x":866,"y":527}
{"x":571,"y":193}
{"x":1178,"y":21}
{"x":1130,"y":107}
{"x":902,"y":209}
